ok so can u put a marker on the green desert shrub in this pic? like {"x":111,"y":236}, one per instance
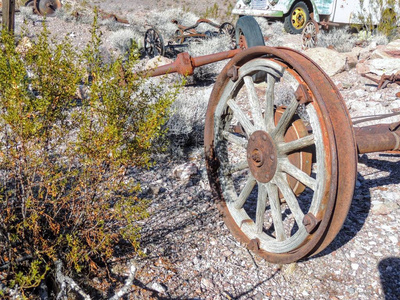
{"x":71,"y":128}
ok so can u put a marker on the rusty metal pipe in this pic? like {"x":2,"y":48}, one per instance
{"x":377,"y":138}
{"x":185,"y":64}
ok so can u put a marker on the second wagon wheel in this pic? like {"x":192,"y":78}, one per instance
{"x":153,"y":43}
{"x":309,"y":36}
{"x":280,"y":153}
{"x":47,"y":7}
{"x":228,"y":29}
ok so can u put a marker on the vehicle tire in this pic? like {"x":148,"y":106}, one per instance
{"x":248,"y":33}
{"x":297,"y":18}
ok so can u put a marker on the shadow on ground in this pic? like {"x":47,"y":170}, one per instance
{"x":361,"y":203}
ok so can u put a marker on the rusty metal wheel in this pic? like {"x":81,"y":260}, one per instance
{"x":29,"y":3}
{"x":153,"y":43}
{"x":47,"y":7}
{"x":228,"y":29}
{"x":309,"y":36}
{"x":280,"y":153}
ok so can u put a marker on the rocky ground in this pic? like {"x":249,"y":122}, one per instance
{"x":190,"y":254}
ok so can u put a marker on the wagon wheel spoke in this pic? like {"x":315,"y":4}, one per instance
{"x":241,"y":116}
{"x":261,"y":205}
{"x":284,"y":122}
{"x":276,"y":211}
{"x":290,"y":199}
{"x":254,"y":102}
{"x":269,"y":103}
{"x":301,"y":176}
{"x":233,"y":168}
{"x":296,"y":145}
{"x":245,"y":193}
{"x":240,"y":141}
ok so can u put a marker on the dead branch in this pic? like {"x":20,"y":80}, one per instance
{"x":65,"y":281}
{"x":125,"y":289}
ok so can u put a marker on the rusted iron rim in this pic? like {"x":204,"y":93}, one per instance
{"x":46,"y":7}
{"x":301,"y":65}
{"x":346,"y":152}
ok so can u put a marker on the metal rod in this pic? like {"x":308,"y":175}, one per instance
{"x":377,"y":138}
{"x":185,"y":64}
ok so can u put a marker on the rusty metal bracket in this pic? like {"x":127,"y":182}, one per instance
{"x":254,"y":245}
{"x":385,"y":79}
{"x":311,"y":222}
{"x":233,"y":73}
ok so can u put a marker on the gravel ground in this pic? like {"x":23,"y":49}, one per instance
{"x":190,"y":254}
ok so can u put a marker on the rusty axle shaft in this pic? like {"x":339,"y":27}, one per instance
{"x":185,"y":64}
{"x":378,"y":138}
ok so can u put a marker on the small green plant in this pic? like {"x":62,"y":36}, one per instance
{"x":211,"y":12}
{"x":65,"y":193}
{"x":385,"y":13}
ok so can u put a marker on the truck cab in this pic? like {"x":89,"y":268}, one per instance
{"x":296,"y":13}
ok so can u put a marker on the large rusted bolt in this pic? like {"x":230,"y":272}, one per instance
{"x":233,"y":73}
{"x":257,"y":157}
{"x":254,"y":244}
{"x":310,"y":222}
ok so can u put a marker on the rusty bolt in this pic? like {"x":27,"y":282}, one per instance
{"x":233,"y":73}
{"x":254,"y":245}
{"x":310,"y":222}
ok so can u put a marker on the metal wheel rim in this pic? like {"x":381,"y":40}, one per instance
{"x":47,"y":7}
{"x":313,"y":241}
{"x":299,"y":16}
{"x":153,"y":43}
{"x":227,"y":28}
{"x":29,"y":3}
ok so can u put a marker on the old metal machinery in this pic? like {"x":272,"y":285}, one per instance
{"x":44,"y":7}
{"x":184,"y":35}
{"x":280,"y":147}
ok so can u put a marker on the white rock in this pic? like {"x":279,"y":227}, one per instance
{"x":379,"y":66}
{"x":323,"y":57}
{"x":207,"y":283}
{"x":354,"y":266}
{"x":158,"y":287}
{"x":393,"y":239}
{"x":185,"y":171}
{"x":157,"y":61}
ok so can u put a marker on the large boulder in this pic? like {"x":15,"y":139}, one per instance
{"x":331,"y":61}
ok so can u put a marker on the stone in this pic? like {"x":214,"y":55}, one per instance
{"x":207,"y":283}
{"x":323,"y":57}
{"x":384,"y":208}
{"x":159,"y":287}
{"x":379,"y":66}
{"x":157,"y":61}
{"x":185,"y":171}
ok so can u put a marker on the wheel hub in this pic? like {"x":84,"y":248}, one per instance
{"x":262,"y":156}
{"x":298,"y":18}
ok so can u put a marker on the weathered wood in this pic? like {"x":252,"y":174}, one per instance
{"x":8,"y":14}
